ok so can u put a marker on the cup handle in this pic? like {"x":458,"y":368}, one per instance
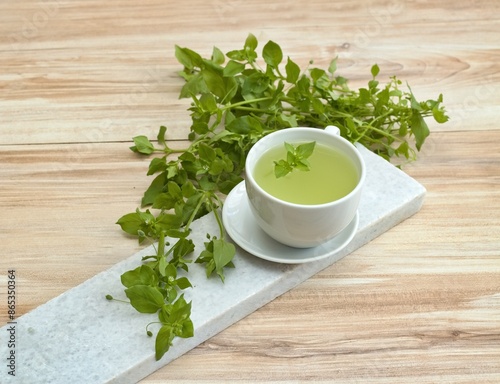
{"x":331,"y":129}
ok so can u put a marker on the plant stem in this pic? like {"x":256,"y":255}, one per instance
{"x":219,"y":222}
{"x":244,"y":102}
{"x":161,"y":244}
{"x":196,"y":209}
{"x":216,"y":214}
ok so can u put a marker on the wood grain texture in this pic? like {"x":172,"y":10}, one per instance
{"x":421,"y":303}
{"x":93,"y":71}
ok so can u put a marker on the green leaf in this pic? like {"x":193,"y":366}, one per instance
{"x":191,"y":203}
{"x":302,"y":165}
{"x":364,"y":96}
{"x":292,"y":71}
{"x":223,"y":255}
{"x":238,"y":55}
{"x":372,"y":86}
{"x":188,"y":189}
{"x":255,"y":84}
{"x":249,"y":48}
{"x":158,"y":164}
{"x":215,"y":82}
{"x":404,"y":150}
{"x":144,"y":298}
{"x":233,"y":68}
{"x":332,"y":68}
{"x":194,"y":86}
{"x":305,"y":150}
{"x":272,"y":54}
{"x":170,"y":271}
{"x":180,"y":311}
{"x":162,"y":265}
{"x":317,"y":74}
{"x":403,"y":129}
{"x":183,"y":283}
{"x":217,"y":167}
{"x":289,"y":148}
{"x":217,"y":56}
{"x":375,"y":70}
{"x":173,"y":171}
{"x":170,"y":294}
{"x":142,"y":275}
{"x":178,"y":233}
{"x":142,"y":145}
{"x":208,"y":103}
{"x":281,"y":168}
{"x":414,"y":103}
{"x":251,"y":42}
{"x":439,"y":115}
{"x":223,"y":87}
{"x":206,"y":184}
{"x":244,"y":125}
{"x":182,"y":248}
{"x":217,"y":254}
{"x":164,"y":201}
{"x":291,"y":158}
{"x":419,"y":128}
{"x":166,"y":221}
{"x":136,"y":223}
{"x":227,"y":185}
{"x":188,"y":156}
{"x":289,"y":120}
{"x":382,"y":100}
{"x":317,"y":106}
{"x":187,"y":329}
{"x":206,"y":152}
{"x":161,"y":135}
{"x":188,"y":58}
{"x":200,"y":127}
{"x":154,"y":189}
{"x":174,"y":190}
{"x":130,"y":223}
{"x":163,"y":341}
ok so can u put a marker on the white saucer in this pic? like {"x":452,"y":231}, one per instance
{"x":243,"y":229}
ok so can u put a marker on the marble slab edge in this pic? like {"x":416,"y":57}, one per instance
{"x":80,"y":337}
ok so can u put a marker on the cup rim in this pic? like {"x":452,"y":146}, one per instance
{"x":356,"y":189}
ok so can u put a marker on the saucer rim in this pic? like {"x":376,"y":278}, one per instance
{"x":349,"y":232}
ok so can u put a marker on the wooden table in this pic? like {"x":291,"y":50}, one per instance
{"x":421,"y":303}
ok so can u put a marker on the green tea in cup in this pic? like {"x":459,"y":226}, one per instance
{"x":331,"y":176}
{"x":304,"y":203}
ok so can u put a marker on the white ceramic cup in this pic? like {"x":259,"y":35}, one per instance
{"x":298,"y":225}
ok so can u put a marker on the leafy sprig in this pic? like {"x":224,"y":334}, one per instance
{"x":236,"y":100}
{"x":296,"y":158}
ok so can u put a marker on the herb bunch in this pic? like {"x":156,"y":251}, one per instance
{"x":235,"y":102}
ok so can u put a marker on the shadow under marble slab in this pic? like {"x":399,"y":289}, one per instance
{"x":79,"y":337}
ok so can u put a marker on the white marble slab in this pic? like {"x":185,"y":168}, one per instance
{"x":81,"y":338}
